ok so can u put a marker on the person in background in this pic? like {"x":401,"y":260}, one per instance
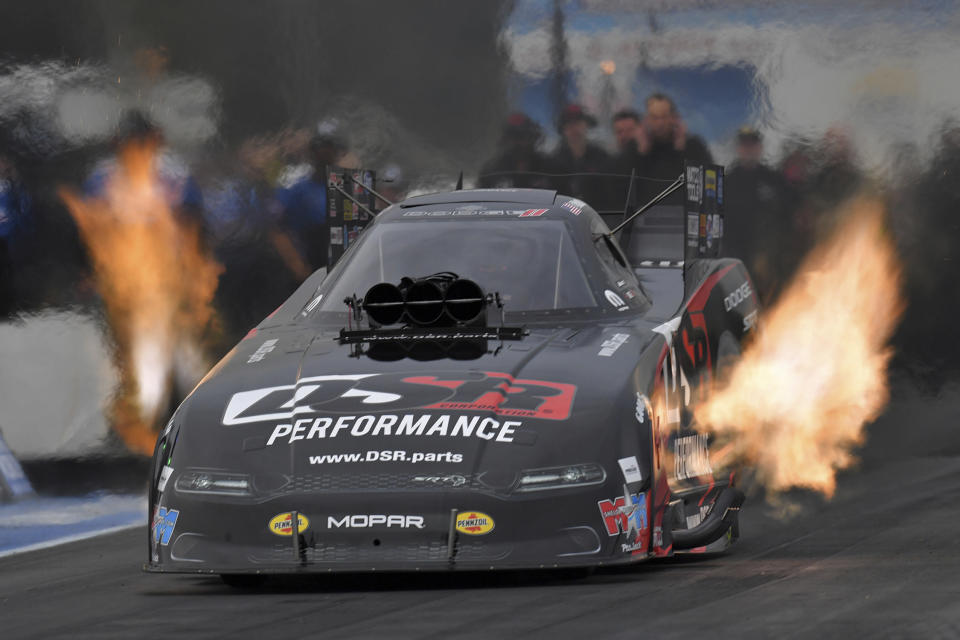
{"x":255,"y":279}
{"x":626,"y":123}
{"x":665,"y":144}
{"x":181,"y":191}
{"x":576,"y":156}
{"x":302,"y":236}
{"x":519,"y":163}
{"x":628,"y":160}
{"x":14,"y":226}
{"x":756,"y":224}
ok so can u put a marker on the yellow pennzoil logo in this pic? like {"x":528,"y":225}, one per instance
{"x":474,"y":523}
{"x":280,"y":523}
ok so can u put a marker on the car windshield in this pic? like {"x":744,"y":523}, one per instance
{"x":533,"y":265}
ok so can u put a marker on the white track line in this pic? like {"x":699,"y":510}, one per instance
{"x":65,"y":540}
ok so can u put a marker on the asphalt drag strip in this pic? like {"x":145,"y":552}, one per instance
{"x":879,"y":560}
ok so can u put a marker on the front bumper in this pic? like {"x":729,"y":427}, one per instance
{"x":414,"y":532}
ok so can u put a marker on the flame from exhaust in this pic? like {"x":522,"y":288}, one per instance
{"x":795,"y":405}
{"x":157,"y":283}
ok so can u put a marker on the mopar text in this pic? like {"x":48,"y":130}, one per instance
{"x":375,"y":520}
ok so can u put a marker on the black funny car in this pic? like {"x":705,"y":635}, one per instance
{"x":483,"y":381}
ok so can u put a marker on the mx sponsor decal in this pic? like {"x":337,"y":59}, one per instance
{"x":490,"y":392}
{"x":627,"y":514}
{"x":164,"y":522}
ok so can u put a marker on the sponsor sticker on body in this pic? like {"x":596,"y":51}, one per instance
{"x":741,"y":293}
{"x":631,"y":469}
{"x":627,"y":515}
{"x":371,"y":405}
{"x":412,"y":457}
{"x":281,"y":524}
{"x":375,"y":521}
{"x":691,"y":457}
{"x":609,"y":346}
{"x":444,"y":425}
{"x":474,"y":523}
{"x":262,"y":351}
{"x":164,"y":522}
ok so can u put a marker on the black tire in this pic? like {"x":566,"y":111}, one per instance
{"x":243,"y":580}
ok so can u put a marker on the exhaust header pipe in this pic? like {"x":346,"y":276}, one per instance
{"x":433,"y":301}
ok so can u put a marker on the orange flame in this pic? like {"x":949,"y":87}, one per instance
{"x":157,"y":283}
{"x":796,"y":403}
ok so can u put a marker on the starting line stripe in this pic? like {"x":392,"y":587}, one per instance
{"x":56,"y":542}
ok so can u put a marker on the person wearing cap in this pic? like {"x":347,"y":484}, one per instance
{"x":519,"y":163}
{"x":757,"y":218}
{"x":576,"y":156}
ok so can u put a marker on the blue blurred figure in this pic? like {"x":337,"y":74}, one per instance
{"x":301,"y":206}
{"x":182,"y":192}
{"x":15,"y":227}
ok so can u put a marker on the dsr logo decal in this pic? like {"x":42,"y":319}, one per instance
{"x":497,"y":393}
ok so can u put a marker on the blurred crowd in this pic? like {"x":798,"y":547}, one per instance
{"x":777,"y":207}
{"x":261,"y":204}
{"x":261,"y":209}
{"x":774,"y":209}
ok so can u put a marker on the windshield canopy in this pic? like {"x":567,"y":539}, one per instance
{"x":534,"y":265}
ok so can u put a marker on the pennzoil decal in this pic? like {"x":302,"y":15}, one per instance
{"x":474,"y":523}
{"x":490,"y":392}
{"x":280,"y":524}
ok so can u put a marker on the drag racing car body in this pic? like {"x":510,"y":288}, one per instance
{"x":483,"y":381}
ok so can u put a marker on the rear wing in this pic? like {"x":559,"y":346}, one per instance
{"x":688,"y":228}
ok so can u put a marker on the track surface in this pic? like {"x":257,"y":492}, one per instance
{"x":880,"y":560}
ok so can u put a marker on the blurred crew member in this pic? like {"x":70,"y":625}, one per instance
{"x":255,"y":280}
{"x":577,"y":156}
{"x":519,"y":162}
{"x":303,"y":236}
{"x":14,"y":212}
{"x":664,"y":142}
{"x":625,"y":124}
{"x":181,"y":191}
{"x":757,"y":222}
{"x":626,"y":129}
{"x":665,"y":145}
